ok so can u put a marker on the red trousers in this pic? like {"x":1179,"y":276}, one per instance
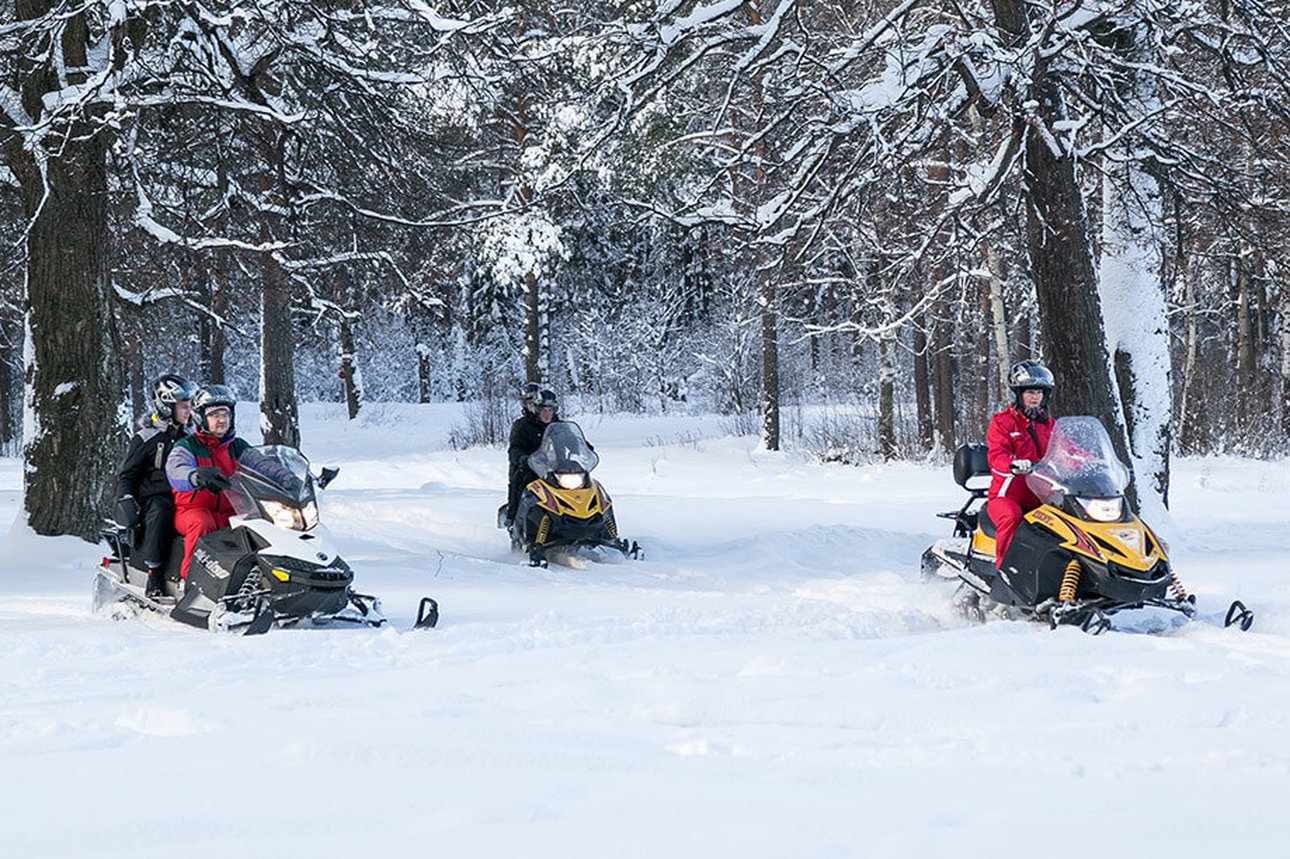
{"x":193,"y":522}
{"x":1006,"y":515}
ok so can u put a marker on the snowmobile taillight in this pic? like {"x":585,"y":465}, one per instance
{"x":572,"y":479}
{"x":1103,"y":509}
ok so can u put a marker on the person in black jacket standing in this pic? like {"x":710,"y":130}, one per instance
{"x":526,"y":435}
{"x":145,"y":503}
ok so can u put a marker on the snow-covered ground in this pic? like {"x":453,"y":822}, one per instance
{"x":771,"y":681}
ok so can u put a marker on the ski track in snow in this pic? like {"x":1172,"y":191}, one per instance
{"x":771,"y":680}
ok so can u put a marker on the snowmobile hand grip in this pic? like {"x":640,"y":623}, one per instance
{"x":1020,"y":466}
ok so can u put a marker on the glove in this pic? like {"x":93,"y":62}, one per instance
{"x":128,"y":514}
{"x":209,"y":477}
{"x":1020,"y":466}
{"x":130,"y":517}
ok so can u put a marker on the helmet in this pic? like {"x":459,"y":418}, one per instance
{"x":545,"y":399}
{"x":168,"y":390}
{"x":528,"y":396}
{"x":213,"y":396}
{"x":1030,"y":375}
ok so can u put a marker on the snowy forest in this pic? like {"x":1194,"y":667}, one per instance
{"x":838,"y":223}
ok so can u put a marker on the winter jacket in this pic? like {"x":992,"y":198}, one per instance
{"x":202,"y":449}
{"x":526,"y":437}
{"x":1011,"y":436}
{"x":143,"y":471}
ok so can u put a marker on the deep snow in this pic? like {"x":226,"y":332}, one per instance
{"x":772,"y":680}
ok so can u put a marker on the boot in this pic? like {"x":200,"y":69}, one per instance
{"x":156,"y":583}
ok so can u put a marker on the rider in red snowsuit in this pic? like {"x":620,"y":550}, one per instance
{"x":1016,"y":440}
{"x":199,"y":467}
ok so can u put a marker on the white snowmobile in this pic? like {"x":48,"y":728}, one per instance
{"x":1078,"y":558}
{"x":274,"y":565}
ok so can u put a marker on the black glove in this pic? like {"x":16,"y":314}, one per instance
{"x":128,"y":514}
{"x":209,"y":477}
{"x":130,"y":517}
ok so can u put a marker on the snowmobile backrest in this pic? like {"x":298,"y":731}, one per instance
{"x":970,"y":461}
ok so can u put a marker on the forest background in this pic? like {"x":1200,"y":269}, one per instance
{"x":837,"y":222}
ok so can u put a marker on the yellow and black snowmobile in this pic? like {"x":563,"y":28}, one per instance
{"x":565,"y":515}
{"x":1078,"y":558}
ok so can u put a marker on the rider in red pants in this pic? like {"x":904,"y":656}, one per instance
{"x":1016,"y":440}
{"x":200,"y":465}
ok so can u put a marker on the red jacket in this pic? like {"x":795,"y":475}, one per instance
{"x":202,"y":449}
{"x":1011,"y":436}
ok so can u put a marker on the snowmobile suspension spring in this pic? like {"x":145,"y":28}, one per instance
{"x":611,"y":527}
{"x":544,"y":528}
{"x":1176,"y":588}
{"x":1070,"y":581}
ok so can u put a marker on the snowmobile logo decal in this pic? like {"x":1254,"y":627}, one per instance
{"x":208,"y":561}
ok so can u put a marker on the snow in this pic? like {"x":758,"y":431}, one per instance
{"x":771,"y":681}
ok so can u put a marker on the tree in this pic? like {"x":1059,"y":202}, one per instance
{"x":61,"y":58}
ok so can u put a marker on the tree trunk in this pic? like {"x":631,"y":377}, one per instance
{"x":211,"y":327}
{"x":923,"y":385}
{"x":886,"y":396}
{"x":10,"y":398}
{"x":1132,"y":291}
{"x":1003,"y":362}
{"x":1188,"y":431}
{"x":1243,"y":345}
{"x":943,"y":382}
{"x":73,"y":375}
{"x":349,"y":369}
{"x":1061,"y":255}
{"x":532,"y":328}
{"x":1284,"y":391}
{"x":770,"y":400}
{"x":423,"y":373}
{"x":279,"y":411}
{"x":279,"y":416}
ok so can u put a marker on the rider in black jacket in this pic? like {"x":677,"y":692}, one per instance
{"x":526,"y":435}
{"x":145,"y":502}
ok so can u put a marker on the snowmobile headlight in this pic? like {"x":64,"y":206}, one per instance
{"x":571,"y":480}
{"x":291,"y":518}
{"x":1103,"y":509}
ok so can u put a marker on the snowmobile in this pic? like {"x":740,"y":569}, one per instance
{"x":1078,"y":558}
{"x":564,"y":515}
{"x":274,"y":565}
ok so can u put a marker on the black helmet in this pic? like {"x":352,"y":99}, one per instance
{"x":545,"y":399}
{"x":1030,"y":375}
{"x":209,"y":397}
{"x":168,"y":390}
{"x":528,"y":395}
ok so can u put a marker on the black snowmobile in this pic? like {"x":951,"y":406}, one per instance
{"x":1078,"y":558}
{"x":565,"y":515}
{"x":274,"y":565}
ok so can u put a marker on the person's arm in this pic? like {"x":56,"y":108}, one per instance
{"x":180,"y":466}
{"x":999,"y":450}
{"x":515,"y":452}
{"x":127,"y":479}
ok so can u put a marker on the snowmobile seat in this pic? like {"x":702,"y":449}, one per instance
{"x":984,"y":522}
{"x":970,"y":461}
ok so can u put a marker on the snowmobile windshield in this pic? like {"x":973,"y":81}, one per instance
{"x":563,"y":450}
{"x":273,"y":472}
{"x":1080,"y":461}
